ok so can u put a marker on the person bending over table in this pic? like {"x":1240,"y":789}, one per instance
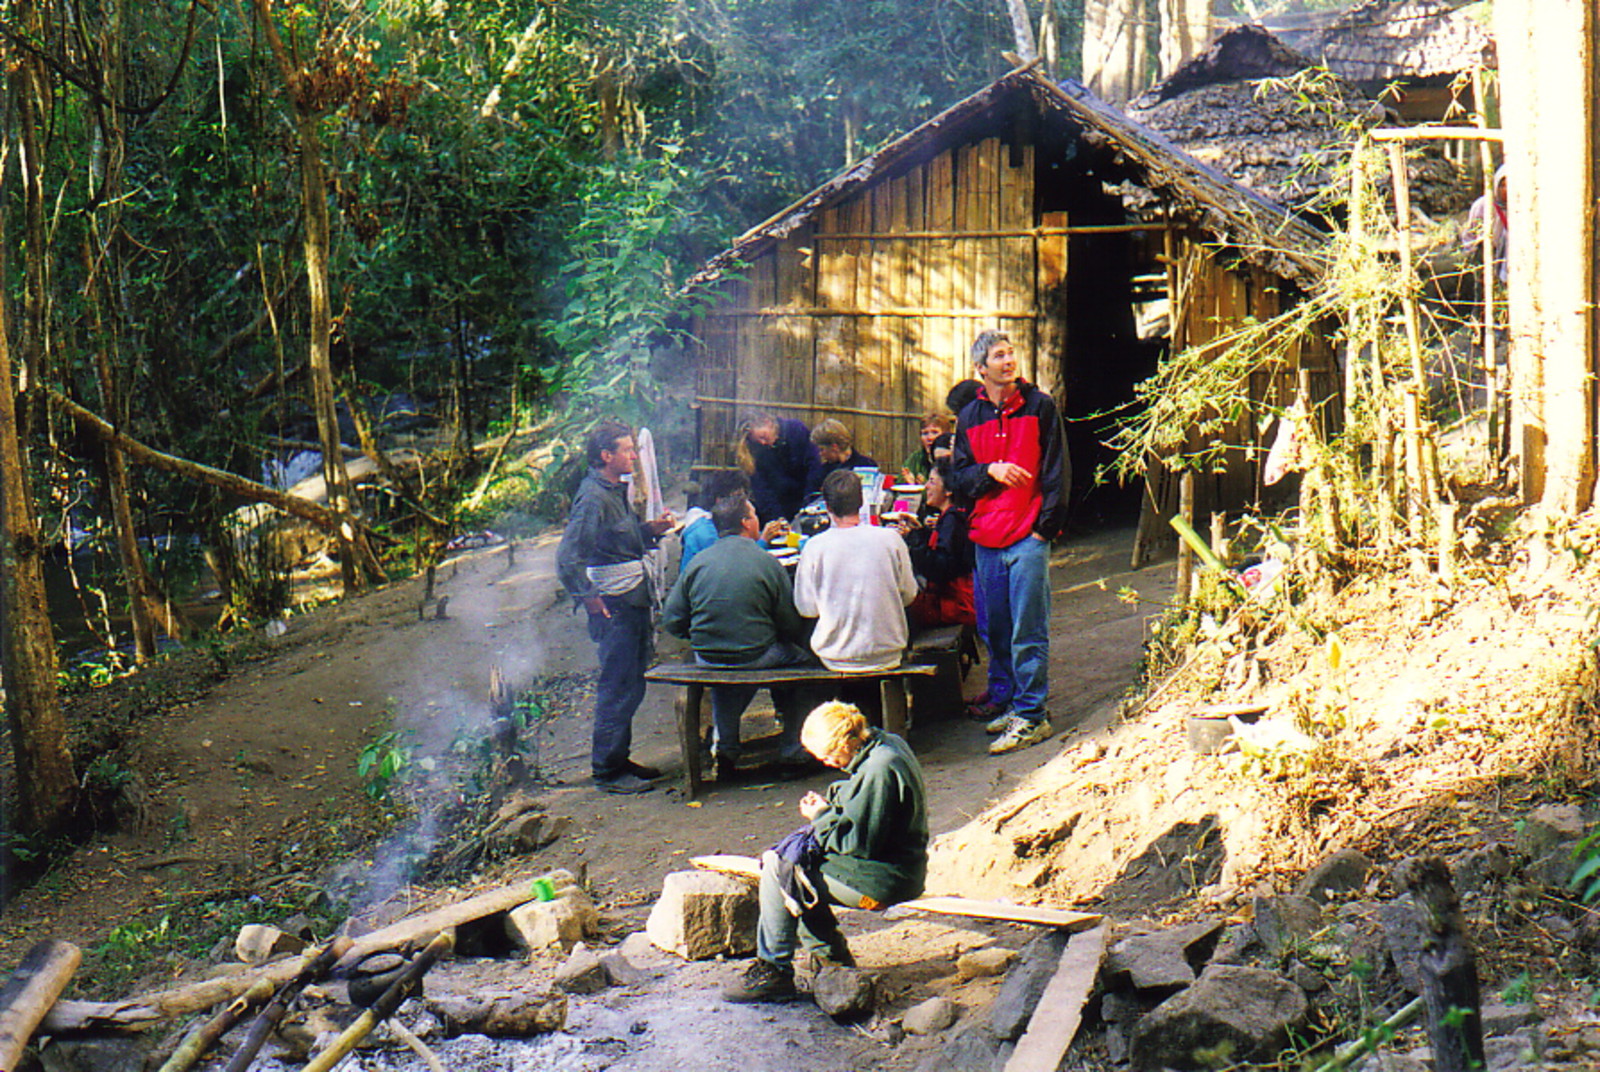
{"x":865,"y":846}
{"x":782,"y":463}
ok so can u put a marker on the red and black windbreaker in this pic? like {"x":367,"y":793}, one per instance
{"x":1025,"y":431}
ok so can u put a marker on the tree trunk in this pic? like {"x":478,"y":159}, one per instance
{"x":314,"y":198}
{"x":103,"y":273}
{"x":1548,"y":57}
{"x":1185,"y":32}
{"x":1022,"y":31}
{"x":1114,"y":48}
{"x":46,"y":788}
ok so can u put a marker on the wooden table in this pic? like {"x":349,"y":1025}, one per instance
{"x":696,"y":679}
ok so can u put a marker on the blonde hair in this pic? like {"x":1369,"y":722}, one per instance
{"x":832,"y":725}
{"x":832,"y":433}
{"x":741,"y":447}
{"x":936,"y":419}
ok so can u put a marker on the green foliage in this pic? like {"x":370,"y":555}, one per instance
{"x":382,"y":764}
{"x":1586,"y":876}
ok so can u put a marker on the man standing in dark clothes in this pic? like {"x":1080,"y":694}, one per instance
{"x":601,"y":565}
{"x":783,"y":465}
{"x":1010,"y":461}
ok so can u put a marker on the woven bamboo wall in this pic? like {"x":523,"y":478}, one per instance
{"x":866,"y":312}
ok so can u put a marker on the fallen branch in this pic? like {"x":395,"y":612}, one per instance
{"x":1373,"y":1038}
{"x":45,"y":971}
{"x":144,"y":1011}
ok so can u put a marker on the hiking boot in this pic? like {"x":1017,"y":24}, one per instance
{"x":1000,"y":723}
{"x":624,"y":783}
{"x":1020,"y":734}
{"x":725,"y":768}
{"x":762,"y":981}
{"x":639,"y":770}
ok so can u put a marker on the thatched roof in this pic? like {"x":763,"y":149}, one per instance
{"x":1262,"y":231}
{"x":1382,"y":40}
{"x":1232,"y":109}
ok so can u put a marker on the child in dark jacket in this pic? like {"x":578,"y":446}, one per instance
{"x":941,"y":557}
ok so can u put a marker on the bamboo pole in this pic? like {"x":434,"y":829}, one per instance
{"x":1403,"y":134}
{"x":385,"y":1006}
{"x":806,"y":407}
{"x":1357,"y":238}
{"x":1408,"y":300}
{"x":197,"y":1042}
{"x":267,"y":1020}
{"x":1480,"y":93}
{"x":1184,"y":583}
{"x":28,"y":995}
{"x":1416,"y":495}
{"x":1024,"y":232}
{"x":1372,"y":1039}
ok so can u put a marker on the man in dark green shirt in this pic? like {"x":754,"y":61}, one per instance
{"x":735,"y":606}
{"x":868,"y":849}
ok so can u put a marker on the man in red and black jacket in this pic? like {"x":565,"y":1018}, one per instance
{"x":1011,"y":462}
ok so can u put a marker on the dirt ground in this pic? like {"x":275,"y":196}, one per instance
{"x":249,"y":780}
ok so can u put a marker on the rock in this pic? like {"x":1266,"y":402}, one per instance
{"x":1415,"y":1061}
{"x":583,"y":973}
{"x":520,"y":834}
{"x":301,"y":926}
{"x":1283,"y":923}
{"x":1404,"y":935}
{"x":499,"y":1013}
{"x":555,"y":828}
{"x":95,"y":1054}
{"x":1230,"y":1014}
{"x":642,"y":953}
{"x":1343,"y":872}
{"x":1476,"y":869}
{"x":702,"y":914}
{"x":1152,"y":964}
{"x":622,"y":971}
{"x":981,"y":963}
{"x":258,"y":943}
{"x":971,"y":1049}
{"x":562,"y":922}
{"x":1548,"y":827}
{"x":1505,"y":1053}
{"x":929,"y":1017}
{"x":844,"y":993}
{"x":1118,"y":1008}
{"x":1023,"y":984}
{"x":1308,"y":978}
{"x":1199,"y":940}
{"x":1553,"y":869}
{"x":1500,"y":1018}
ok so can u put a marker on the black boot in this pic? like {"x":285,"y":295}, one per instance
{"x":762,"y":981}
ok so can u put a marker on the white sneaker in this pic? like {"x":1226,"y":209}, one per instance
{"x":1020,"y":734}
{"x":999,"y":723}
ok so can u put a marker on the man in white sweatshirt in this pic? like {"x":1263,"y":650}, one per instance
{"x":856,"y":580}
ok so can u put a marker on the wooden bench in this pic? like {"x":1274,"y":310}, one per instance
{"x":696,"y":679}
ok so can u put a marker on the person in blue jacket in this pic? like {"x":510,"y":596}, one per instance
{"x":782,"y":463}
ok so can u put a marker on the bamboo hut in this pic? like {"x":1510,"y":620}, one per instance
{"x":1031,"y":206}
{"x":1257,"y":110}
{"x":1412,"y":52}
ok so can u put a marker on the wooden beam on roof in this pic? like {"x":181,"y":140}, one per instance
{"x":1026,"y":232}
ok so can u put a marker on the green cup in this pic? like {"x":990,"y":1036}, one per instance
{"x":544,"y":889}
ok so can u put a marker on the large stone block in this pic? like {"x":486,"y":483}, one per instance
{"x":702,"y":914}
{"x":1231,"y":1014}
{"x":563,"y":922}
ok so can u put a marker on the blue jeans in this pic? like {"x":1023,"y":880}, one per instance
{"x":777,"y":932}
{"x":625,"y":642}
{"x":1015,"y":586}
{"x":728,"y":702}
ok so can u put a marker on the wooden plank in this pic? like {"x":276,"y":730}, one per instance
{"x":1001,"y":910}
{"x":29,"y":994}
{"x":695,"y":674}
{"x":938,"y":334}
{"x":1056,"y":1018}
{"x":725,"y":863}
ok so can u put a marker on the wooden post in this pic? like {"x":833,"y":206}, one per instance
{"x":1446,"y":512}
{"x":1219,"y":535}
{"x":44,"y":973}
{"x":1184,"y":583}
{"x":1357,"y":237}
{"x":689,"y":738}
{"x":1449,"y":972}
{"x":1416,"y":497}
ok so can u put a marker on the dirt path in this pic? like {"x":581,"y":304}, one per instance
{"x":256,"y":779}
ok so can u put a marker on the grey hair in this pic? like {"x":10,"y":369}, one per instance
{"x":985,"y":342}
